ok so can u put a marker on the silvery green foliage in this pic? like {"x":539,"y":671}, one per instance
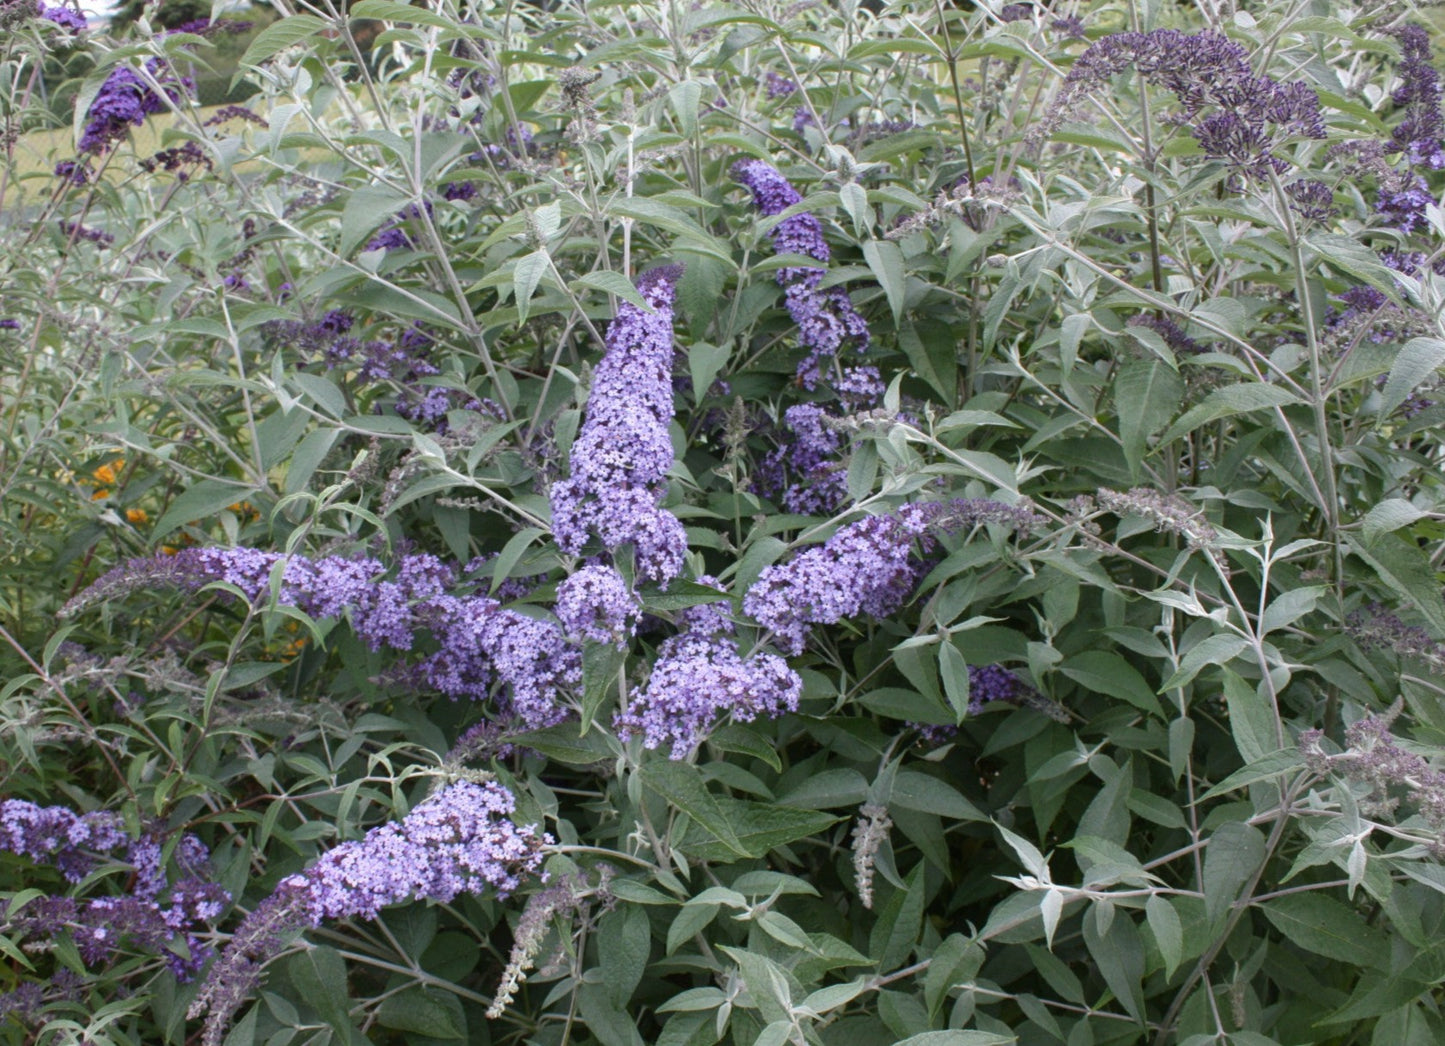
{"x":697,"y":523}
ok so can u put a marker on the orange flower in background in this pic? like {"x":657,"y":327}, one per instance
{"x":138,"y":516}
{"x":107,"y":473}
{"x":104,"y":477}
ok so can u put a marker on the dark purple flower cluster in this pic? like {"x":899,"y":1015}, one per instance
{"x":393,"y":235}
{"x":595,"y":603}
{"x":1419,"y":134}
{"x":477,"y":639}
{"x":1171,"y":332}
{"x":867,"y":567}
{"x":621,"y":457}
{"x":234,"y":112}
{"x":207,"y":27}
{"x":76,"y":231}
{"x":780,"y":86}
{"x":1312,"y":200}
{"x":102,"y":926}
{"x":461,"y":840}
{"x":8,"y":324}
{"x":699,"y":677}
{"x":1069,"y":27}
{"x":826,"y":318}
{"x":65,"y":18}
{"x":14,"y":12}
{"x":1015,"y":12}
{"x":181,"y":160}
{"x":810,"y":452}
{"x":125,"y":100}
{"x":74,"y":172}
{"x":1205,"y":71}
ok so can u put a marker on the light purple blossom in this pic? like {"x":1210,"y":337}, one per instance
{"x":621,"y":457}
{"x":478,"y":639}
{"x":700,"y":677}
{"x":595,"y":603}
{"x":461,"y":840}
{"x":867,"y":567}
{"x":59,"y":836}
{"x":826,"y":318}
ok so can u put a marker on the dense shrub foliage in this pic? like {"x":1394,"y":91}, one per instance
{"x":683,"y":523}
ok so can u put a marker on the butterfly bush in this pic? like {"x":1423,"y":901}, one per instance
{"x":1068,"y":498}
{"x":460,"y":840}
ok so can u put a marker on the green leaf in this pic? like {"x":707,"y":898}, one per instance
{"x":956,"y":961}
{"x":958,"y":1037}
{"x":1327,"y":927}
{"x":681,"y":784}
{"x":886,"y":261}
{"x":390,"y":11}
{"x":1418,"y":359}
{"x":759,"y":828}
{"x":1266,"y":767}
{"x":624,"y":942}
{"x":1168,"y":931}
{"x":365,"y":210}
{"x":614,"y":283}
{"x":280,"y":35}
{"x":913,"y":790}
{"x":1234,"y":852}
{"x":1105,"y":672}
{"x":1214,"y":650}
{"x":1390,"y":514}
{"x":600,"y":665}
{"x":953,"y":669}
{"x":424,"y":1011}
{"x":511,"y":555}
{"x":896,"y":931}
{"x":1119,"y":955}
{"x":318,"y":975}
{"x":1226,"y":403}
{"x":1251,"y":720}
{"x":1289,"y":606}
{"x":1407,"y":570}
{"x":1147,"y":392}
{"x":705,"y":362}
{"x":562,"y":744}
{"x":841,"y":786}
{"x":691,"y":920}
{"x":200,"y":501}
{"x":527,"y":273}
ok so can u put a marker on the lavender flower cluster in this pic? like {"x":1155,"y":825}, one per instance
{"x":826,"y":318}
{"x":461,"y":840}
{"x":596,"y":603}
{"x":700,"y":676}
{"x":1419,"y":134}
{"x":59,"y":836}
{"x":1246,"y":116}
{"x":621,"y":457}
{"x":478,"y":640}
{"x":101,"y":927}
{"x":867,"y":567}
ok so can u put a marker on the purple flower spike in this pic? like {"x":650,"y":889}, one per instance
{"x":826,"y":319}
{"x":623,"y":452}
{"x":461,"y":840}
{"x":867,"y":567}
